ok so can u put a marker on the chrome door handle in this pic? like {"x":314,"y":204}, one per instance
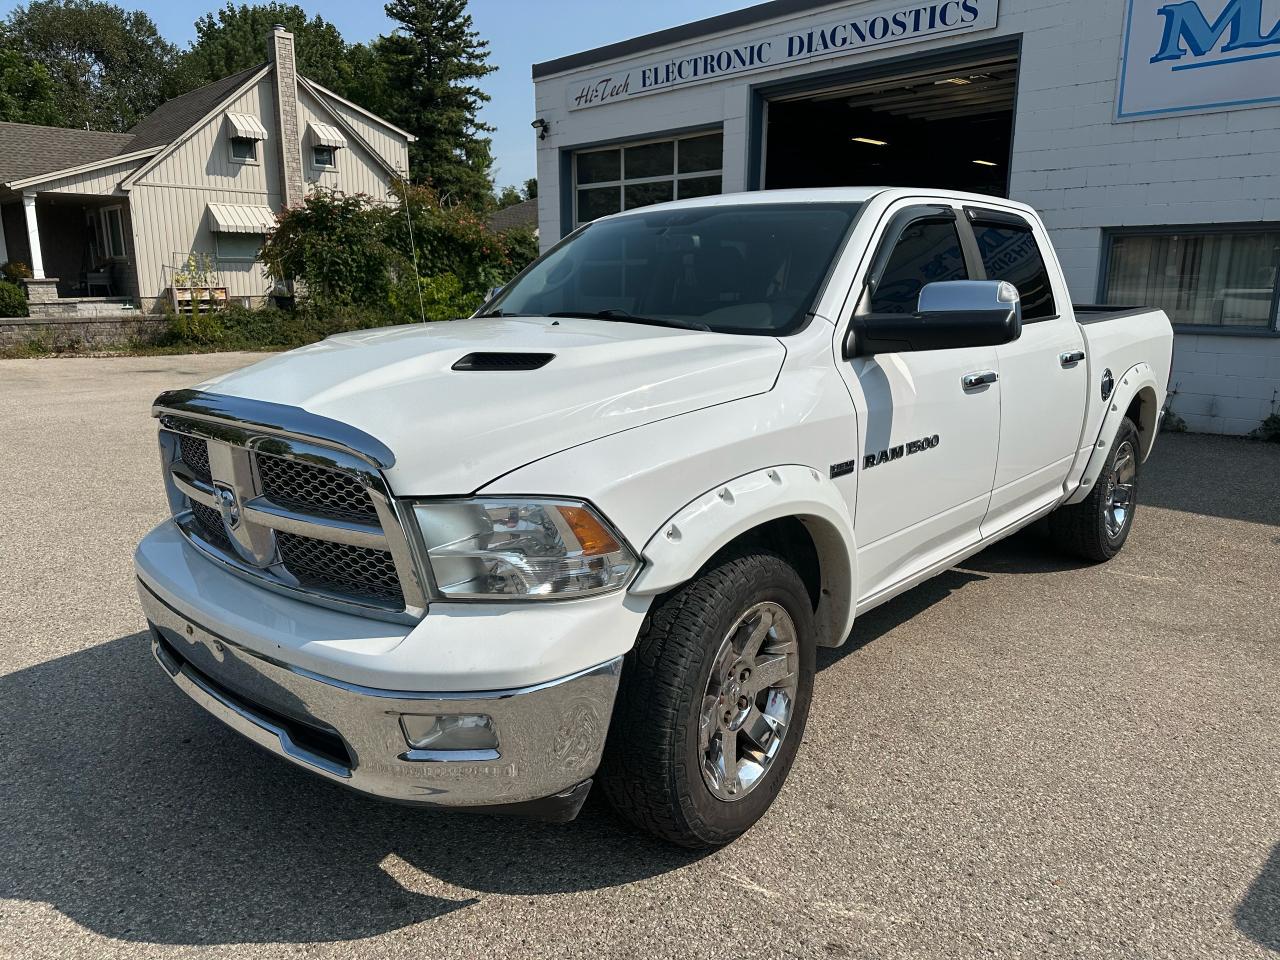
{"x":1071,"y":358}
{"x":972,"y":381}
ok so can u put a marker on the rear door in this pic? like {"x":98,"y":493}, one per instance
{"x":1043,"y":374}
{"x":927,"y":445}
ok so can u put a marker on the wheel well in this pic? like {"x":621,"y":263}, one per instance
{"x":790,"y":538}
{"x":1144,"y":414}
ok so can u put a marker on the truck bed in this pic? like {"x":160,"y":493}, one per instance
{"x":1102,"y":312}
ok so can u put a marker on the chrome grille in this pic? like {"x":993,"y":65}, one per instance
{"x":307,"y":518}
{"x":340,"y":567}
{"x":309,"y":488}
{"x":209,"y":521}
{"x":195,"y":454}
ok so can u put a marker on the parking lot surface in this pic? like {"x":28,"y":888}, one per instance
{"x":1025,"y":757}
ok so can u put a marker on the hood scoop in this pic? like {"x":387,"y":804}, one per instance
{"x":504,"y":361}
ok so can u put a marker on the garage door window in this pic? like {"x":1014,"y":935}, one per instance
{"x":1206,"y":277}
{"x":640,"y":174}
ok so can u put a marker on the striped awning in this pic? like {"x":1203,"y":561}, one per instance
{"x":323,"y":135}
{"x":246,"y":126}
{"x":240,"y":218}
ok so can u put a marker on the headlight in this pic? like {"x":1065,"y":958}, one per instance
{"x":496,"y":548}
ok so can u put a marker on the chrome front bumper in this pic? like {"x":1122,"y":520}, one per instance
{"x":550,"y":736}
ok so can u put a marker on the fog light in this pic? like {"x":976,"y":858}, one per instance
{"x":464,"y":731}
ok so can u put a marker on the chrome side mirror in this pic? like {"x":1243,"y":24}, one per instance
{"x":950,"y":314}
{"x":971,"y":296}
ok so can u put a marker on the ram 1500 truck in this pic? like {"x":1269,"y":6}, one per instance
{"x":597,"y":530}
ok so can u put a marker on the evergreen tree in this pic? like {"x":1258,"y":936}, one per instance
{"x":432,"y":60}
{"x":235,"y":38}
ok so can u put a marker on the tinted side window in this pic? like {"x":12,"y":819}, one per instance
{"x":1010,"y":253}
{"x":928,"y":251}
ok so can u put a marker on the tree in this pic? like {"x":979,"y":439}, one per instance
{"x":432,"y":60}
{"x":109,"y":67}
{"x":531,"y":188}
{"x":26,"y":91}
{"x":235,"y":38}
{"x":509,"y":197}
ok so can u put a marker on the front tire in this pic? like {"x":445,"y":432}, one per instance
{"x":713,"y":702}
{"x":1097,"y":527}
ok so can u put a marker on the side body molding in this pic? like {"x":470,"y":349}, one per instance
{"x":693,"y":535}
{"x":1138,"y":381}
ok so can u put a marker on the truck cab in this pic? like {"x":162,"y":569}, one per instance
{"x":595,"y":532}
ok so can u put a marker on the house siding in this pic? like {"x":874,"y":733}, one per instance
{"x":392,"y":146}
{"x":358,"y":169}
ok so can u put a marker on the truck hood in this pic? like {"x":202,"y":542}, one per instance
{"x":452,"y":431}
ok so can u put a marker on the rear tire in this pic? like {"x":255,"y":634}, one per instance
{"x":1098,"y":526}
{"x":713,"y":701}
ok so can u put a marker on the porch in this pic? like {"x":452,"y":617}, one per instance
{"x":79,"y":250}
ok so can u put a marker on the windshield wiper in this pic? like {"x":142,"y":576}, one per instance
{"x":625,"y":317}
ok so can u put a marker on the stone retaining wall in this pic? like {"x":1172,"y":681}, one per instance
{"x":78,"y":332}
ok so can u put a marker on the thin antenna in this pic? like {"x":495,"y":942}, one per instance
{"x":413,"y":248}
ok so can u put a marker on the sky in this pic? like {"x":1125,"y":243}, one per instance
{"x":520,"y":33}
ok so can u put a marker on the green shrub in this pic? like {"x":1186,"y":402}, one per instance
{"x":334,"y":245}
{"x":415,"y":256}
{"x":15,"y":270}
{"x":13,"y":301}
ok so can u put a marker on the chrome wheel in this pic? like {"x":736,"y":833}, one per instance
{"x":1120,"y":487}
{"x":748,"y":701}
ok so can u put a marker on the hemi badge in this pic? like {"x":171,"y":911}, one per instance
{"x":843,"y":469}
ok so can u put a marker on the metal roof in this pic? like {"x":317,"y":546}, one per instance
{"x":241,"y":218}
{"x":246,"y":126}
{"x":324,"y":135}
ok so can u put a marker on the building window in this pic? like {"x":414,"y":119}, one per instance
{"x":111,"y":224}
{"x":324,"y":158}
{"x":243,"y":247}
{"x":244,"y":149}
{"x":639,"y":174}
{"x":1204,"y":277}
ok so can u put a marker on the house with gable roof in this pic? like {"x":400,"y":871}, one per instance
{"x":111,"y":222}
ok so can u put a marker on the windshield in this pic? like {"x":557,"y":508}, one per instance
{"x":733,"y":269}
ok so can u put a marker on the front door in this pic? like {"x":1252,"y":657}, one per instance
{"x":928,"y":443}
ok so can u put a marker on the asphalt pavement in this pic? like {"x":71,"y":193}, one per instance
{"x":1025,"y":757}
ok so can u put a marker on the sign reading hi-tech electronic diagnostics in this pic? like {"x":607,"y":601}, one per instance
{"x":1197,"y":56}
{"x":878,"y":28}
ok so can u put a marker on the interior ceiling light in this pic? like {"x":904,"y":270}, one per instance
{"x":986,"y":163}
{"x":870,"y":142}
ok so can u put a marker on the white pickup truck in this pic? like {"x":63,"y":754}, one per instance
{"x":597,"y":530}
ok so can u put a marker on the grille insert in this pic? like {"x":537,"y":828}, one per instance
{"x":308,"y":488}
{"x":195,"y":454}
{"x":358,"y":572}
{"x":211,"y":527}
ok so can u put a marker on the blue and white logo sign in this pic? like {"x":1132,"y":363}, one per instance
{"x":874,"y":25}
{"x":1197,"y":56}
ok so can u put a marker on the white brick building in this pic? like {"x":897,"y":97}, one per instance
{"x":1147,"y":134}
